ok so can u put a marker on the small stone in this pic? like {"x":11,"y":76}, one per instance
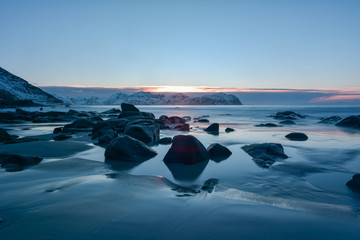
{"x":297,"y":136}
{"x":228,"y":130}
{"x":213,"y":128}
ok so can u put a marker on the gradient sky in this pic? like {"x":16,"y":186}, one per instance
{"x":233,"y":44}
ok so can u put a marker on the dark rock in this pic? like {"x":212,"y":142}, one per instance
{"x":143,"y":129}
{"x":72,"y":112}
{"x":210,"y":184}
{"x":351,"y":122}
{"x":218,"y":152}
{"x":125,"y":107}
{"x":288,"y":115}
{"x":13,"y":162}
{"x":118,"y":124}
{"x":203,"y":116}
{"x":265,"y":154}
{"x":297,"y":136}
{"x":187,"y":118}
{"x":21,"y":140}
{"x":136,"y":114}
{"x":97,"y":119}
{"x":202,"y":120}
{"x":126,"y":148}
{"x":186,"y":149}
{"x":354,"y":183}
{"x":61,"y":137}
{"x":266,"y":125}
{"x":106,"y":136}
{"x":58,"y":130}
{"x":165,"y":141}
{"x":83,"y":114}
{"x":4,"y":136}
{"x":183,"y":127}
{"x":227,"y":130}
{"x":112,"y":111}
{"x":79,"y":125}
{"x":173,"y":122}
{"x":331,"y":120}
{"x":287,"y":122}
{"x":212,"y":129}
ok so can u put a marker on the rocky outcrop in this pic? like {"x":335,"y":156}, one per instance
{"x":287,"y":115}
{"x":13,"y":162}
{"x":126,"y":148}
{"x":350,"y":122}
{"x":186,"y":149}
{"x":265,"y":154}
{"x":218,"y":152}
{"x":331,"y":120}
{"x":297,"y":136}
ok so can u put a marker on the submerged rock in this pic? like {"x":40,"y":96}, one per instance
{"x":288,"y":115}
{"x":297,"y":136}
{"x":227,"y":130}
{"x":165,"y":140}
{"x":4,"y":135}
{"x":351,"y":122}
{"x":13,"y":162}
{"x":218,"y":152}
{"x":331,"y":120}
{"x":61,"y":137}
{"x":266,"y":125}
{"x":354,"y":183}
{"x":213,"y":129}
{"x":265,"y":154}
{"x":287,"y":122}
{"x":126,"y":148}
{"x":186,"y":149}
{"x":210,"y":184}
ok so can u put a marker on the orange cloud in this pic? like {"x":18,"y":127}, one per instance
{"x":337,"y":98}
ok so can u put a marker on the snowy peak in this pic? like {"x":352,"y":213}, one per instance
{"x":148,"y":98}
{"x":19,"y":89}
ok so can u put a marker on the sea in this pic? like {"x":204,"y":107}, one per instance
{"x":303,"y":197}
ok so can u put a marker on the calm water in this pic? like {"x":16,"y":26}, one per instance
{"x":312,"y":181}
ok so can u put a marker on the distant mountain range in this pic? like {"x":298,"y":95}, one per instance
{"x":147,"y":98}
{"x":15,"y":91}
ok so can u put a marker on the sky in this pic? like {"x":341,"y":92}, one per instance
{"x":276,"y":44}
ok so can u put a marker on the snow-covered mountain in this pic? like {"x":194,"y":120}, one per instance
{"x":147,"y":98}
{"x":17,"y":89}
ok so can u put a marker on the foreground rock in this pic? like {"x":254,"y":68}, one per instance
{"x":213,"y":129}
{"x":354,"y":183}
{"x":126,"y":148}
{"x":297,"y":136}
{"x":331,"y":120}
{"x":265,"y":154}
{"x":13,"y":162}
{"x":186,"y":149}
{"x":218,"y":152}
{"x":351,"y":122}
{"x":288,"y":115}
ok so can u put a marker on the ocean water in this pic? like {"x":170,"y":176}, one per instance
{"x":304,"y":196}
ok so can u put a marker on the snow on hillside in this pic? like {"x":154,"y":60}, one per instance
{"x":147,"y":98}
{"x":18,"y":88}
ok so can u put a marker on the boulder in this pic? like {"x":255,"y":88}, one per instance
{"x":79,"y":125}
{"x":173,"y":122}
{"x":265,"y":154}
{"x":287,"y":122}
{"x":212,"y":129}
{"x":125,"y":107}
{"x":143,"y":129}
{"x":218,"y":152}
{"x":4,"y":136}
{"x":354,"y":183}
{"x":126,"y":148}
{"x":227,"y":130}
{"x":58,"y":130}
{"x":288,"y":115}
{"x":186,"y":149}
{"x":61,"y":137}
{"x":331,"y":120}
{"x":13,"y":162}
{"x":297,"y":136}
{"x":165,"y":141}
{"x":266,"y":125}
{"x":106,"y":136}
{"x":350,"y":122}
